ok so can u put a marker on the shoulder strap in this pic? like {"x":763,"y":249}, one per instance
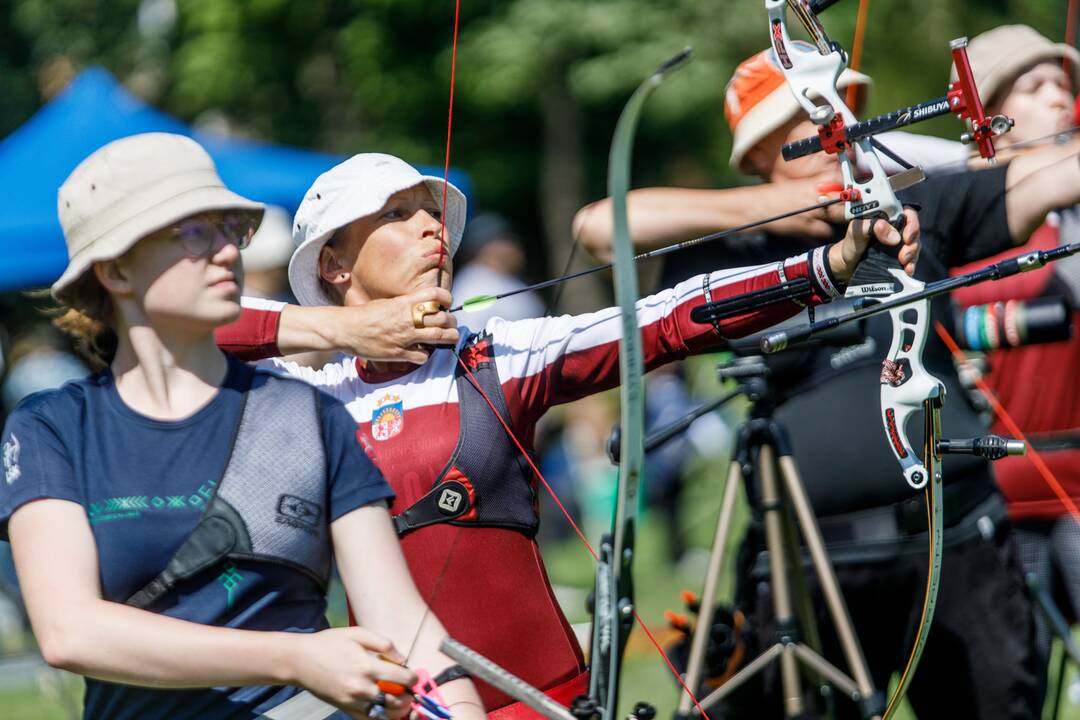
{"x":270,"y":503}
{"x":218,"y":532}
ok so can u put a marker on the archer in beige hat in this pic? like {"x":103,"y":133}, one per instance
{"x":1020,"y":73}
{"x":130,"y":188}
{"x":1000,"y":55}
{"x":352,"y":191}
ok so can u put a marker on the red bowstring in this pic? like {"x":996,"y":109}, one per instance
{"x":521,"y":449}
{"x":580,"y":534}
{"x":1013,"y":428}
{"x":446,"y":164}
{"x":856,"y":51}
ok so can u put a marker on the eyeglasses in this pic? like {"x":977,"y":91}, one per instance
{"x":198,"y":234}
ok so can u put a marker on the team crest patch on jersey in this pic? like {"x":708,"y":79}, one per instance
{"x":388,"y":418}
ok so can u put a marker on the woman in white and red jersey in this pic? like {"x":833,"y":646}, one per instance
{"x":371,"y":230}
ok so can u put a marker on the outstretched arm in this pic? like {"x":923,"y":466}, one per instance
{"x":376,"y":330}
{"x":663,"y":216}
{"x":548,"y":361}
{"x":1038,"y":183}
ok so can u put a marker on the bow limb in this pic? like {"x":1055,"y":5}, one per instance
{"x":935,"y":522}
{"x":613,"y":603}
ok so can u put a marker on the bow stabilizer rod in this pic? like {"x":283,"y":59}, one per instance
{"x":775,"y":342}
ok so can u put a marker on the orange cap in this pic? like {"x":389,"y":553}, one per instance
{"x":758,"y":102}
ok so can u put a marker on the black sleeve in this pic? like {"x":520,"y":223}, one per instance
{"x":963,"y":216}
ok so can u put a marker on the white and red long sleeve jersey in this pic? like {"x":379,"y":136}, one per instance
{"x":494,"y":594}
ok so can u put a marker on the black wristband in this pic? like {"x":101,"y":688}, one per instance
{"x":450,"y":674}
{"x":821,"y":274}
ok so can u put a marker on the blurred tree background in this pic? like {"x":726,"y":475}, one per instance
{"x":539,"y":86}
{"x":539,"y":82}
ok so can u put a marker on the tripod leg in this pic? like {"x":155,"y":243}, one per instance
{"x":782,"y":610}
{"x":804,"y":610}
{"x":830,"y":586}
{"x":708,"y":596}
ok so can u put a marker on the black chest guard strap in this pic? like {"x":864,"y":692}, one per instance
{"x":486,"y":483}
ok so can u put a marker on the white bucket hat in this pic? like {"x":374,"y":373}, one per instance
{"x":130,"y":188}
{"x":354,"y":189}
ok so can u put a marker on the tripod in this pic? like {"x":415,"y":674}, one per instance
{"x":763,"y":451}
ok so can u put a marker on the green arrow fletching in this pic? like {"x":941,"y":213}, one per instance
{"x":478,"y":303}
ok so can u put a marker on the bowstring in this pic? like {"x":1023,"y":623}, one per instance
{"x":442,"y":250}
{"x":557,"y":295}
{"x":438,"y":283}
{"x":446,"y":163}
{"x":852,"y":93}
{"x":999,"y":409}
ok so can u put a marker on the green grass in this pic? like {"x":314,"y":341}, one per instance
{"x":55,"y":696}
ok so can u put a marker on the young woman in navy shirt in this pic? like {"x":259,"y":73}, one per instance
{"x":107,"y":478}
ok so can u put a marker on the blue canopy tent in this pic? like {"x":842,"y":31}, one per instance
{"x":93,"y":110}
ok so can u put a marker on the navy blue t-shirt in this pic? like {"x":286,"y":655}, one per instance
{"x":144,"y":484}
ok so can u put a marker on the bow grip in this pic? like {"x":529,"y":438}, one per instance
{"x":875,"y":270}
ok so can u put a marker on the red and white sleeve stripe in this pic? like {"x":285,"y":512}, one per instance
{"x":547,"y":361}
{"x":253,"y":336}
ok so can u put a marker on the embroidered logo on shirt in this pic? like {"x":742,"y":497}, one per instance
{"x":230,"y":579}
{"x":388,"y":418}
{"x":11,"y":460}
{"x":298,"y":513}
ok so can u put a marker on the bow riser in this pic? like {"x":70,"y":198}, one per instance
{"x":905,"y":382}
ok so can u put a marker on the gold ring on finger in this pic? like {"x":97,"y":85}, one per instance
{"x":421,"y":309}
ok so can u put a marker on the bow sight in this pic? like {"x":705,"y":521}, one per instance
{"x":835,"y":135}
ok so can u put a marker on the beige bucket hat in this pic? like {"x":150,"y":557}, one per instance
{"x":1000,"y":55}
{"x":758,"y":101}
{"x":354,"y":189}
{"x":130,"y":188}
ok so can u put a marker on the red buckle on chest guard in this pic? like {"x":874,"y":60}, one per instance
{"x":478,"y":353}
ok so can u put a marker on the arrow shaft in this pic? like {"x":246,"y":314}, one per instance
{"x":659,"y":252}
